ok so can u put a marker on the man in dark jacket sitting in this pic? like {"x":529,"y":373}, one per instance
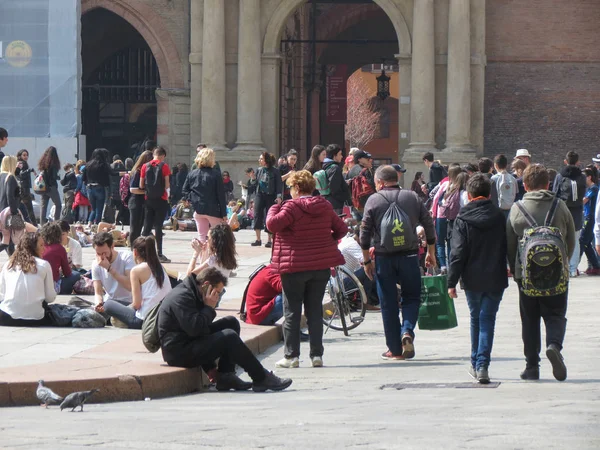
{"x":190,"y":337}
{"x":479,"y":256}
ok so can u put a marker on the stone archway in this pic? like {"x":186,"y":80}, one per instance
{"x":150,"y":25}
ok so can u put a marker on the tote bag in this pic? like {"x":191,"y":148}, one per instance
{"x":437,"y":308}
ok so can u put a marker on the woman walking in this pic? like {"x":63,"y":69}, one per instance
{"x":49,"y":164}
{"x":149,"y":285}
{"x":25,"y":284}
{"x":306,"y":233}
{"x":269,"y":191}
{"x":23,"y":174}
{"x":137,"y":199}
{"x":204,"y":189}
{"x":97,"y":180}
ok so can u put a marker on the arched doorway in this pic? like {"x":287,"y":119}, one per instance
{"x":120,"y":79}
{"x":313,"y":37}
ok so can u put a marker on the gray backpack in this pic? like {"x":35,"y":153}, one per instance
{"x":397,"y":233}
{"x":150,"y":330}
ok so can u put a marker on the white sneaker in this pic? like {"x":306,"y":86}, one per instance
{"x":317,"y":361}
{"x":288,"y":363}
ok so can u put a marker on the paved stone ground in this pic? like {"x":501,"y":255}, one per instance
{"x":343,"y":404}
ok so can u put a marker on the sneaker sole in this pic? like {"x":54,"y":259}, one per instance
{"x":294,"y":365}
{"x":222,"y":389}
{"x":559,"y":370}
{"x":483,"y":380}
{"x":317,"y":364}
{"x":274,"y":389}
{"x":392,"y":358}
{"x":408,"y":349}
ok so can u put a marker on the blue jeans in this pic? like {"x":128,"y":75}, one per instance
{"x":442,"y":244}
{"x":125,"y":314}
{"x":403,"y":270}
{"x":576,"y":257}
{"x":67,"y":283}
{"x":483,"y":307}
{"x":97,"y":196}
{"x":276,"y":313}
{"x":586,"y":244}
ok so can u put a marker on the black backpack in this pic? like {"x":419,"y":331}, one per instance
{"x":243,"y":314}
{"x":154,"y":181}
{"x":567,"y":191}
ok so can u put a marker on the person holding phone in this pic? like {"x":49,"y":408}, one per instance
{"x":191,"y":337}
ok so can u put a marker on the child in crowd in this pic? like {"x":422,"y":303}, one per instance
{"x":478,"y":256}
{"x":183,"y":218}
{"x":81,"y":203}
{"x":233,"y":214}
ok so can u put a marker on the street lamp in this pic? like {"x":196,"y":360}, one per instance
{"x":383,"y":84}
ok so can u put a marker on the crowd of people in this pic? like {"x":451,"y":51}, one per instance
{"x":476,"y":222}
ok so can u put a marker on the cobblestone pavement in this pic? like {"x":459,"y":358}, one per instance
{"x":349,"y":402}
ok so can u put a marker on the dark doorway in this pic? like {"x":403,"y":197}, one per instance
{"x":120,"y":78}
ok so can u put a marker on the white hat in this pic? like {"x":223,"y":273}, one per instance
{"x":597,"y":158}
{"x":523,"y":152}
{"x":354,"y":150}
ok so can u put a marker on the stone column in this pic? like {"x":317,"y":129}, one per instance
{"x":271,"y":64}
{"x":422,"y":110}
{"x":197,"y":14}
{"x":213,"y":75}
{"x":458,"y":112}
{"x":249,"y":99}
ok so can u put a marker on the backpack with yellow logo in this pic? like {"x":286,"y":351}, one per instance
{"x":397,"y":232}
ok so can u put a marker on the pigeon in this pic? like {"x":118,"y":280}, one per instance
{"x":77,"y":399}
{"x":46,"y":396}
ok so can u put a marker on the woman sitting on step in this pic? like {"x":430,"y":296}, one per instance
{"x":149,"y":285}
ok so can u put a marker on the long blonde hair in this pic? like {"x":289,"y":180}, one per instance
{"x":9,"y":165}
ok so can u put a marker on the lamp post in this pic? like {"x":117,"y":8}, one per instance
{"x":383,"y":84}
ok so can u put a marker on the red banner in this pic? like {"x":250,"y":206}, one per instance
{"x":337,"y":99}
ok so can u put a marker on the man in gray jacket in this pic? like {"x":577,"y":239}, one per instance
{"x":396,"y":266}
{"x":538,"y":201}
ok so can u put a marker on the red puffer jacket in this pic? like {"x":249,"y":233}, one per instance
{"x":306,"y":234}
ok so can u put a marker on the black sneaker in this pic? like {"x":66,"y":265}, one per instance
{"x":559,"y":370}
{"x":531,"y":373}
{"x":271,"y":382}
{"x":483,"y":376}
{"x":163,"y":259}
{"x":256,"y":244}
{"x":269,"y":244}
{"x":230,"y":381}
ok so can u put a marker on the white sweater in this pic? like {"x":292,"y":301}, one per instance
{"x":22,"y":294}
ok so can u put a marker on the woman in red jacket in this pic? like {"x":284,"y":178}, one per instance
{"x":306,"y":233}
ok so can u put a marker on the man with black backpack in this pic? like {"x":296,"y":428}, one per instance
{"x":570,"y":186}
{"x":154,"y":179}
{"x":541,"y":239}
{"x":390,"y":220}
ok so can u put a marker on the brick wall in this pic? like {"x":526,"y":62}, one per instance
{"x":543,"y":78}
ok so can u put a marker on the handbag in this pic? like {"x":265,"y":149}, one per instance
{"x":15,"y":222}
{"x":39,"y":184}
{"x":437,"y":308}
{"x":84,"y":286}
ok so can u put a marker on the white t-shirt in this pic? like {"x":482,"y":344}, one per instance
{"x":22,"y":294}
{"x":352,"y":253}
{"x":212,"y":262}
{"x":113,"y":290}
{"x":74,"y":253}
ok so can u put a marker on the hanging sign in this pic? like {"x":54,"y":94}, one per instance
{"x":337,"y":99}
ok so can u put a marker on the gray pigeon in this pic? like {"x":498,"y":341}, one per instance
{"x":77,"y":399}
{"x":46,"y":396}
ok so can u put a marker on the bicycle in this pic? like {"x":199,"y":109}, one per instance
{"x":345,"y":301}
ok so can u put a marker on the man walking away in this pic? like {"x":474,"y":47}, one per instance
{"x":154,"y":179}
{"x":390,"y":219}
{"x":436,"y":172}
{"x":478,"y":256}
{"x":570,"y":186}
{"x":586,"y":242}
{"x":337,"y":191}
{"x":504,"y":186}
{"x":190,"y":336}
{"x":543,"y":286}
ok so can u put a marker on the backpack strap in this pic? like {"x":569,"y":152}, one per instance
{"x":551,"y":212}
{"x":528,"y":217}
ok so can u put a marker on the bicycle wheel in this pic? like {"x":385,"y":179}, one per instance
{"x":345,"y":301}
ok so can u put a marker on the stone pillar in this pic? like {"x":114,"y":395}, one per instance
{"x":249,"y":99}
{"x":458,"y":112}
{"x":197,"y":14}
{"x":271,"y":64}
{"x":213,"y":75}
{"x":422,"y":111}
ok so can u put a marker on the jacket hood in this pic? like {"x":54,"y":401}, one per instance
{"x":313,"y":206}
{"x":328,"y":163}
{"x":572,"y":172}
{"x":482,"y":214}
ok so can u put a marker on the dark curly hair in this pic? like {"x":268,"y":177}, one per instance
{"x":25,"y":254}
{"x":51,"y":232}
{"x":222,"y":245}
{"x":49,"y":159}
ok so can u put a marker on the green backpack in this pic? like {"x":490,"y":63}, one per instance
{"x":322,"y":180}
{"x":150,"y":330}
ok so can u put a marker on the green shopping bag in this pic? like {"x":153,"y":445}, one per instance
{"x":437,"y":308}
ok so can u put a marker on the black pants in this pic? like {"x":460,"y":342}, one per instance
{"x":305,"y":288}
{"x":156,"y":211}
{"x":552,"y":310}
{"x":223,"y":343}
{"x":7,"y":321}
{"x":262,"y":203}
{"x":136,"y":214}
{"x":26,"y":207}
